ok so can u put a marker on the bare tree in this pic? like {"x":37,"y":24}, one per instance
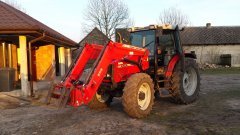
{"x":174,"y":16}
{"x":106,"y":15}
{"x":14,"y":4}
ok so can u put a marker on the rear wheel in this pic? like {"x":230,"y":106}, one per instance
{"x":138,"y":95}
{"x":100,"y":101}
{"x":185,"y":86}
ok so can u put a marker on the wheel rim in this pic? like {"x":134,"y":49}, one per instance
{"x":144,"y":96}
{"x":190,"y":81}
{"x":102,"y":98}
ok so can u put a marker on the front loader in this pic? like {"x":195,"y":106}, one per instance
{"x":153,"y":65}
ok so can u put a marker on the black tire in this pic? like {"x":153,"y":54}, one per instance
{"x":181,"y":94}
{"x":131,"y":95}
{"x":96,"y":104}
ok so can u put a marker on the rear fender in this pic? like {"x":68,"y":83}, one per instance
{"x":171,"y":65}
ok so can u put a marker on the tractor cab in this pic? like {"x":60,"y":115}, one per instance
{"x":163,"y":42}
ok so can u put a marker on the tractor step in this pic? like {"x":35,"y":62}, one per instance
{"x":159,"y":81}
{"x":164,"y":93}
{"x":164,"y":88}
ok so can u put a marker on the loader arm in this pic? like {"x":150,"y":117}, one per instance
{"x":112,"y":53}
{"x":82,"y":92}
{"x":89,"y":52}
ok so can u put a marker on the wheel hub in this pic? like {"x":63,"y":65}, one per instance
{"x":190,"y":81}
{"x":144,"y":96}
{"x":102,"y":98}
{"x":141,"y":96}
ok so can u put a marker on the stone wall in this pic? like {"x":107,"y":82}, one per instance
{"x":212,"y":53}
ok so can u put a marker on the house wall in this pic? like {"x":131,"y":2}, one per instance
{"x":212,"y":53}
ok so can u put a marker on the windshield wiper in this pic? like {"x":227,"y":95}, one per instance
{"x":148,"y":44}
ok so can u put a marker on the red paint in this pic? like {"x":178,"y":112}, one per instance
{"x":114,"y":54}
{"x":171,"y":66}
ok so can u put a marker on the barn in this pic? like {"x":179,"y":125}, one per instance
{"x":213,"y":44}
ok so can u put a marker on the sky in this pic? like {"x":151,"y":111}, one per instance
{"x":67,"y":16}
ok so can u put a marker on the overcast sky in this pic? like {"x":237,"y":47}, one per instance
{"x":66,"y":16}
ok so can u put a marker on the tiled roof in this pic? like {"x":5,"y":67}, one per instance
{"x":212,"y":35}
{"x":95,"y":37}
{"x":14,"y":20}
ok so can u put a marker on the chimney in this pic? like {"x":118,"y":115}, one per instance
{"x":208,"y":25}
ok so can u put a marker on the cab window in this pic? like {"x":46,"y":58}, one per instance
{"x":144,"y":39}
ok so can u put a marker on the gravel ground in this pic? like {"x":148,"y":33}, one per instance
{"x":217,"y":111}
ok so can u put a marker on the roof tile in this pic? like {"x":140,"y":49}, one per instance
{"x":15,"y":20}
{"x":211,"y":35}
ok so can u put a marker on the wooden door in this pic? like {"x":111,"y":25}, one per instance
{"x":44,"y":63}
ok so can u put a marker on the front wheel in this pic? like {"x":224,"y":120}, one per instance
{"x":138,"y":95}
{"x":185,"y":85}
{"x":100,"y":101}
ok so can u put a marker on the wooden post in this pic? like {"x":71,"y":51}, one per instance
{"x":62,"y":61}
{"x":4,"y":54}
{"x":69,"y":57}
{"x":24,"y":66}
{"x":10,"y":64}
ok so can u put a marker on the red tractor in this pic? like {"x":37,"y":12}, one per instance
{"x":153,"y":65}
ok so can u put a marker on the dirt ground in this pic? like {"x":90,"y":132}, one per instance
{"x":217,"y":111}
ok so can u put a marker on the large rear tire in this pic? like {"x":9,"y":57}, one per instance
{"x":138,"y":95}
{"x":100,"y":101}
{"x":185,"y":86}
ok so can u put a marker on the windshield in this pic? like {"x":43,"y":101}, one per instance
{"x":144,"y":39}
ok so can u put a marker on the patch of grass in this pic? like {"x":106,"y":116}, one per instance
{"x":215,"y":100}
{"x":230,"y":93}
{"x":207,"y":104}
{"x":232,"y":70}
{"x":156,"y":117}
